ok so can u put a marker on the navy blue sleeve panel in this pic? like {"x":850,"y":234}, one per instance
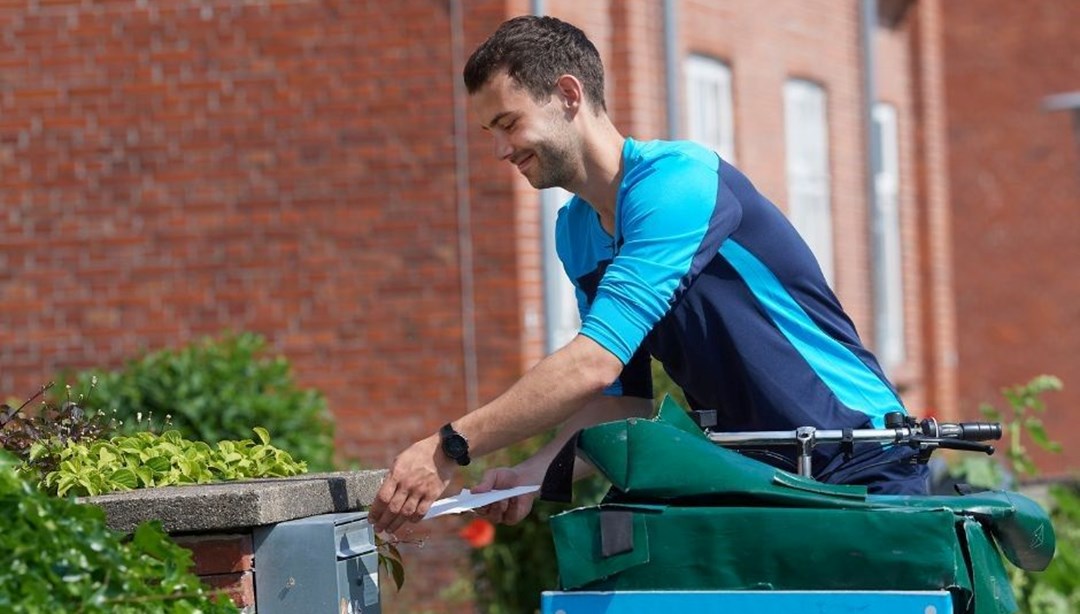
{"x":666,"y":225}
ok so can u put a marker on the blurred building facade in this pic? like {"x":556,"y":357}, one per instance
{"x":309,"y":171}
{"x":1012,"y":75}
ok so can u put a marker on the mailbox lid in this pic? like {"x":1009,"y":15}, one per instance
{"x":354,"y":536}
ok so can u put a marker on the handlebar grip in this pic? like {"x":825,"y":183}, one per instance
{"x":979,"y":431}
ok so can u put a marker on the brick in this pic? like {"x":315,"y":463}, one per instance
{"x":240,"y":587}
{"x":219,"y":554}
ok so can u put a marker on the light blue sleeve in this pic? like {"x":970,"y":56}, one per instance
{"x":663,"y":214}
{"x":577,"y":262}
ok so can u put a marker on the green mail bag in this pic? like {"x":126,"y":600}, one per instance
{"x":686,"y":514}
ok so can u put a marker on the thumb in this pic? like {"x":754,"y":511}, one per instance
{"x":493,"y":478}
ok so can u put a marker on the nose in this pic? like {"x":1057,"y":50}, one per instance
{"x":503,"y":149}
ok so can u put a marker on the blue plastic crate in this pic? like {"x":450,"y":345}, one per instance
{"x":757,"y":602}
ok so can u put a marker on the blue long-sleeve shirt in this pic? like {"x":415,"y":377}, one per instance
{"x":708,"y":276}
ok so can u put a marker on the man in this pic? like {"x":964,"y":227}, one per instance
{"x":673,"y":254}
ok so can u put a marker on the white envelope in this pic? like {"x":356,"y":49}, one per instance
{"x":466,"y":500}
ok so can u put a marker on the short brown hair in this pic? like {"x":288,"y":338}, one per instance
{"x":535,"y":51}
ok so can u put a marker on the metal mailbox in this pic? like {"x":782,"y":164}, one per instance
{"x":318,"y":564}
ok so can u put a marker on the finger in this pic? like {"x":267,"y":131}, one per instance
{"x":501,"y":507}
{"x":402,"y":517}
{"x":486,"y":483}
{"x":414,"y":509}
{"x":422,"y":510}
{"x":389,"y":518}
{"x":379,"y":512}
{"x":519,"y":509}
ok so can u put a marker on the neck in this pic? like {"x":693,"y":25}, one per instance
{"x":602,"y":147}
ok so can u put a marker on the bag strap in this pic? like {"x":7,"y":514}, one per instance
{"x":558,"y":484}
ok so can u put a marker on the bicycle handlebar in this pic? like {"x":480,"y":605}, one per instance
{"x":909,"y":432}
{"x":971,"y":431}
{"x":900,"y":429}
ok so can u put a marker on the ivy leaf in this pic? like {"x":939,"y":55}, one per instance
{"x":160,"y":464}
{"x":263,"y":435}
{"x":1038,"y":434}
{"x":124,"y":478}
{"x":390,"y":560}
{"x":990,"y":412}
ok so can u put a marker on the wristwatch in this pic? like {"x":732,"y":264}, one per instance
{"x":454,"y":445}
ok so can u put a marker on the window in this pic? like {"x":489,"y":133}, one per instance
{"x":562,"y":321}
{"x":806,"y":132}
{"x":709,"y":106}
{"x":888,"y":264}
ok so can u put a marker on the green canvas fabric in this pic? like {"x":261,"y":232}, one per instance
{"x":698,"y":516}
{"x":737,"y":548}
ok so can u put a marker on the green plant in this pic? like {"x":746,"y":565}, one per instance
{"x":53,"y":426}
{"x":1057,"y":589}
{"x":58,"y":556}
{"x":146,"y":460}
{"x":215,"y":390}
{"x":1025,"y":406}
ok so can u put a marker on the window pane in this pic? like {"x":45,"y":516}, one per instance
{"x":888,"y":257}
{"x":709,"y":105}
{"x":807,"y":156}
{"x":562,"y":321}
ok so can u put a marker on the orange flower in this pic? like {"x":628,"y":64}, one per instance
{"x":478,"y":533}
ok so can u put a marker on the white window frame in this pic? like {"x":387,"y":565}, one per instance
{"x":806,"y":130}
{"x":888,"y":255}
{"x":562,"y":318}
{"x":709,"y":104}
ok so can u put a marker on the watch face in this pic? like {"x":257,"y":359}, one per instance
{"x":455,"y":446}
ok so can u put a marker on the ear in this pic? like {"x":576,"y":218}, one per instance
{"x":570,"y":92}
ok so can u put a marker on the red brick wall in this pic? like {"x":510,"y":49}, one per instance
{"x":1015,"y":177}
{"x":172,"y":170}
{"x":935,"y":218}
{"x":224,"y":562}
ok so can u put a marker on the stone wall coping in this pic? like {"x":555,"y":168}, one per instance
{"x":229,"y":506}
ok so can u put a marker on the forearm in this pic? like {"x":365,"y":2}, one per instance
{"x":600,"y":410}
{"x":551,"y":393}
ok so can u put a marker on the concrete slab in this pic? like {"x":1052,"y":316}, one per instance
{"x":237,"y":505}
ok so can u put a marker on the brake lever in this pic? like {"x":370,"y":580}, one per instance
{"x":953,"y":444}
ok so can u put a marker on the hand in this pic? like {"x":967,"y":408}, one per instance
{"x":415,"y":480}
{"x":507,"y":511}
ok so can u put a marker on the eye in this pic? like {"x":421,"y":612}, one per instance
{"x":508,"y":126}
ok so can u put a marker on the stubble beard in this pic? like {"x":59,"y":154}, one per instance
{"x":553,"y":167}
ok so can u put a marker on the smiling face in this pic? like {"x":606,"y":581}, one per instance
{"x":537,"y":138}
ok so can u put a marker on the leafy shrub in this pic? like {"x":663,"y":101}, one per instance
{"x":145,"y":460}
{"x":1057,"y":589}
{"x":58,"y":556}
{"x":215,"y":390}
{"x":52,"y":427}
